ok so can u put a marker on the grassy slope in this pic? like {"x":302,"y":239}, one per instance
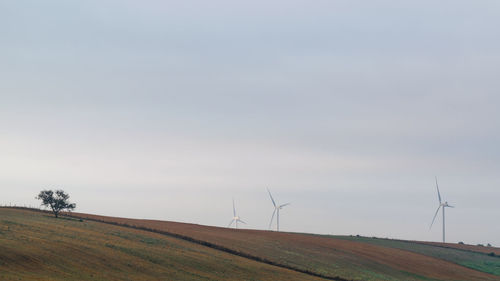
{"x":323,"y":255}
{"x":35,"y":246}
{"x":475,"y":260}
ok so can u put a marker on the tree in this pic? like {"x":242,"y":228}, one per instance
{"x":56,"y":200}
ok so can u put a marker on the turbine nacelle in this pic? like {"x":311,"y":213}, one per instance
{"x":445,"y":204}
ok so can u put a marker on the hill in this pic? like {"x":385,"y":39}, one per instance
{"x":36,"y":246}
{"x":333,"y":257}
{"x":33,"y":244}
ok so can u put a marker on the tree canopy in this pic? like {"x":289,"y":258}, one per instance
{"x":57,"y":200}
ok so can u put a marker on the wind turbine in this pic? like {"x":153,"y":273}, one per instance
{"x":276,"y":211}
{"x":236,"y":218}
{"x":441,"y":205}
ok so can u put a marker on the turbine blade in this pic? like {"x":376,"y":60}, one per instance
{"x":274,"y":203}
{"x":234,"y":209}
{"x":437,"y":186}
{"x":435,"y":216}
{"x":272,"y":217}
{"x":230,"y":223}
{"x":281,"y":206}
{"x":242,"y":221}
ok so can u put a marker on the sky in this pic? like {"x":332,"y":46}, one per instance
{"x":170,"y":109}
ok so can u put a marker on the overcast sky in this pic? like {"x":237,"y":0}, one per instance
{"x":169,"y":109}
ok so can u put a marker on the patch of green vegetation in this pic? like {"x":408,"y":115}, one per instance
{"x":478,"y":261}
{"x":11,"y":223}
{"x":139,"y":253}
{"x":418,"y":277}
{"x":143,"y":239}
{"x":485,"y":266}
{"x":152,"y":241}
{"x":369,"y":275}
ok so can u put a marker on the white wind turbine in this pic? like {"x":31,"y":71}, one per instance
{"x":441,"y":205}
{"x":276,"y":211}
{"x":236,"y":218}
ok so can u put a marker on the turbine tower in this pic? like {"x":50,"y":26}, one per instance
{"x":276,"y":211}
{"x":441,"y":205}
{"x":236,"y":218}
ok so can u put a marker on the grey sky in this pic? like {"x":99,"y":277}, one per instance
{"x":347,"y":109}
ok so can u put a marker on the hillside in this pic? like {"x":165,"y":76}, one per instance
{"x":475,"y":257}
{"x":358,"y":259}
{"x":35,"y":246}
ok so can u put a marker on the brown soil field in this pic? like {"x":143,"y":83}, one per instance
{"x":321,"y":255}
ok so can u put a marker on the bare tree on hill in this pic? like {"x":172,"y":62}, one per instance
{"x":56,"y":200}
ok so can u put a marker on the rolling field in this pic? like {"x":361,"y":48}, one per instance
{"x":334,"y":257}
{"x":35,"y":246}
{"x":469,"y":256}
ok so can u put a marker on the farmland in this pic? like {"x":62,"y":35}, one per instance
{"x":475,"y":257}
{"x":465,"y":247}
{"x":328,"y":256}
{"x":36,"y":246}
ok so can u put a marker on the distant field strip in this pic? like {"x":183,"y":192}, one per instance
{"x":464,"y":247}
